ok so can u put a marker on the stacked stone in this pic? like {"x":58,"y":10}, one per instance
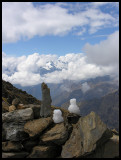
{"x":46,"y":101}
{"x":26,"y":134}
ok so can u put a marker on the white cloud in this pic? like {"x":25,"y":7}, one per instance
{"x":85,"y":87}
{"x":98,"y":4}
{"x":100,"y":59}
{"x":24,"y":20}
{"x":104,"y":53}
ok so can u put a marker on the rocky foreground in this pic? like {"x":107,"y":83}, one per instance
{"x":27,"y":135}
{"x":28,"y":130}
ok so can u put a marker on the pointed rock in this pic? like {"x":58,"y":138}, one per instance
{"x":84,"y":137}
{"x":46,"y":101}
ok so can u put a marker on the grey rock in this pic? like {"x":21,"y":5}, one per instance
{"x":14,"y":154}
{"x":85,"y":135}
{"x":18,"y":115}
{"x":15,"y":131}
{"x":46,"y":101}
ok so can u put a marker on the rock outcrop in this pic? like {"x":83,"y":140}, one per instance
{"x":85,"y":135}
{"x":46,"y":101}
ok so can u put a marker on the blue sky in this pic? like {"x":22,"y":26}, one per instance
{"x":59,"y":44}
{"x":81,"y":40}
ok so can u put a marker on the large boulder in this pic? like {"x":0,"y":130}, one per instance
{"x":18,"y":115}
{"x":35,"y":127}
{"x":85,"y":135}
{"x":55,"y":135}
{"x":45,"y":152}
{"x":9,"y":146}
{"x":46,"y":101}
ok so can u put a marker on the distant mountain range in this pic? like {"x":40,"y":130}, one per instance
{"x":81,"y":90}
{"x":98,"y":94}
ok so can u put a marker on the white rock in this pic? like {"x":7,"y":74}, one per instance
{"x":73,"y":108}
{"x":57,"y":116}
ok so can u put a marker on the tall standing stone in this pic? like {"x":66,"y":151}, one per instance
{"x":46,"y":101}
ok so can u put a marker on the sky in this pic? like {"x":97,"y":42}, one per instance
{"x":72,"y":35}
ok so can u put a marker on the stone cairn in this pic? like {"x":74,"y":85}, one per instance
{"x":46,"y":101}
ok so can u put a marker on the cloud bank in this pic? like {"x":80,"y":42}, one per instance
{"x":99,"y":60}
{"x":22,"y":20}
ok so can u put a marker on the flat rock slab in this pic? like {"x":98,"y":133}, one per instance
{"x":45,"y":152}
{"x":36,"y":126}
{"x":14,"y":154}
{"x":11,"y":146}
{"x":18,"y":115}
{"x":85,"y":134}
{"x":56,"y":135}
